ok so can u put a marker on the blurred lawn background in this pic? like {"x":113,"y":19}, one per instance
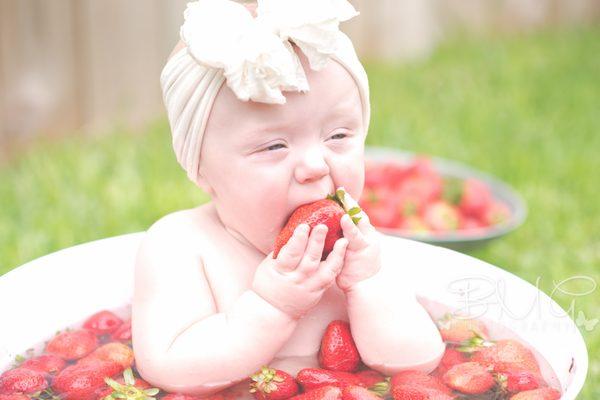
{"x":525,"y":108}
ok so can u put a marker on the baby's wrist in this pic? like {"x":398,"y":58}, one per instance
{"x":288,"y":312}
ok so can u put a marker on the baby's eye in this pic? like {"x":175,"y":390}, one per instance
{"x":338,"y":136}
{"x":275,"y":146}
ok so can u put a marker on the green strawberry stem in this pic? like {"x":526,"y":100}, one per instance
{"x":264,"y":380}
{"x":347,"y":203}
{"x":474,"y":344}
{"x":382,"y":388}
{"x":129,"y":391}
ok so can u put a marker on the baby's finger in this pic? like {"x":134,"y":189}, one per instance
{"x":356,"y":239}
{"x":291,"y":253}
{"x":314,"y":250}
{"x":364,"y":224}
{"x":332,"y":266}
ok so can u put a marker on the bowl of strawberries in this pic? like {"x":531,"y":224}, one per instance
{"x":437,"y":201}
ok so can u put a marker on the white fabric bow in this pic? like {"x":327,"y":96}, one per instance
{"x":256,"y":55}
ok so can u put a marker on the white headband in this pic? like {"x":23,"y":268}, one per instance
{"x":224,"y":43}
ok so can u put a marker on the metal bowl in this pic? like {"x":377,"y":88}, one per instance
{"x":458,"y":240}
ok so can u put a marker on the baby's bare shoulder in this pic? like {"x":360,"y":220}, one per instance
{"x":176,"y":235}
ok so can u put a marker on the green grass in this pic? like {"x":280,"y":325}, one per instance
{"x":524,"y":108}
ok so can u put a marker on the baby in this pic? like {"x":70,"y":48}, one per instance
{"x":211,"y":305}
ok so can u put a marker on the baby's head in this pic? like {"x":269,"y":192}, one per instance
{"x":260,"y":161}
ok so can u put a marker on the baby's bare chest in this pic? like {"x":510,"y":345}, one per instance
{"x":230,"y":273}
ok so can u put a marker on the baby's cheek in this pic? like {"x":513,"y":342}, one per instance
{"x":349,"y":173}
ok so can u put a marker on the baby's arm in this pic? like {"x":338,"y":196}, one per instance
{"x":181,"y":342}
{"x":392,"y":331}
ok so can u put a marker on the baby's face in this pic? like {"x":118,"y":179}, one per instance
{"x":261,"y":161}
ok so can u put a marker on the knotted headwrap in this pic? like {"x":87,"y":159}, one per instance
{"x":224,"y":43}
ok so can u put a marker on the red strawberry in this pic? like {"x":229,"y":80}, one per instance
{"x":469,"y":378}
{"x":470,"y":224}
{"x":546,"y":393}
{"x":326,"y":211}
{"x":383,"y":214}
{"x":352,"y":392}
{"x":81,"y":381}
{"x":507,"y":356}
{"x":321,"y":393}
{"x":476,"y":198}
{"x":418,"y":378}
{"x":422,"y":189}
{"x":273,"y":384}
{"x":518,"y":381}
{"x":312,"y":378}
{"x":72,"y":345}
{"x":114,"y":351}
{"x":338,"y":351}
{"x":103,"y":322}
{"x":414,"y":392}
{"x":15,"y":396}
{"x":123,"y":332}
{"x":414,"y":223}
{"x":22,"y":380}
{"x":47,"y":363}
{"x":496,"y":213}
{"x":441,"y":216}
{"x":458,"y":329}
{"x":451,"y":358}
{"x":369,"y":377}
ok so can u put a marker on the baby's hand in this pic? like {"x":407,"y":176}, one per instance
{"x":295,"y":281}
{"x":363,"y":254}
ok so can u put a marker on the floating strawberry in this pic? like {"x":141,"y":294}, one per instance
{"x":127,"y":388}
{"x":519,"y":381}
{"x":72,"y":345}
{"x":22,"y":380}
{"x":114,"y":351}
{"x":272,"y":384}
{"x":103,"y":322}
{"x":328,"y":212}
{"x":458,"y":329}
{"x":415,"y":392}
{"x":14,"y":396}
{"x":507,"y":356}
{"x":338,"y":351}
{"x":451,"y":358}
{"x":81,"y":381}
{"x":47,"y":363}
{"x":312,"y":378}
{"x":352,"y":392}
{"x":320,"y":393}
{"x":123,"y":332}
{"x":546,"y":393}
{"x":370,"y":377}
{"x":469,"y":378}
{"x":418,"y":378}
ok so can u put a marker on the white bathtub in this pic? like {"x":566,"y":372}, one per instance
{"x":63,"y":288}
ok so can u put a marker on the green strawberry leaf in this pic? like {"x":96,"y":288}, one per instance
{"x":452,"y":190}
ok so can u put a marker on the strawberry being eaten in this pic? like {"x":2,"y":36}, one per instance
{"x":326,"y":211}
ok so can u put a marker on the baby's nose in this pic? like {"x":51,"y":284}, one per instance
{"x":311,"y":166}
